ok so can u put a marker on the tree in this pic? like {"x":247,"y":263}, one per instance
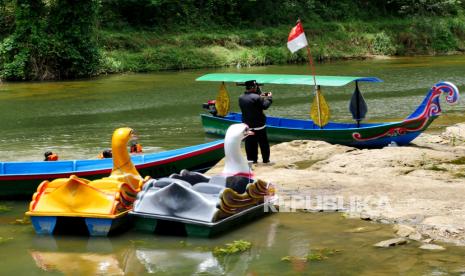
{"x":51,"y":40}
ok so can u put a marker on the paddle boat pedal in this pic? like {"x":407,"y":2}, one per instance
{"x":101,"y":205}
{"x":197,"y":205}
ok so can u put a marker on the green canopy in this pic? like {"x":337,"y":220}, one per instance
{"x":286,"y":79}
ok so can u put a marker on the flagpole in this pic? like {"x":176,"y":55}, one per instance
{"x":310,"y":60}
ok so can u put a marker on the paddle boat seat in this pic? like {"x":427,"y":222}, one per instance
{"x":163,"y":182}
{"x":214,"y":184}
{"x":190,"y":177}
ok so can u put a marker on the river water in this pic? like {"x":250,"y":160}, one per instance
{"x":76,"y":120}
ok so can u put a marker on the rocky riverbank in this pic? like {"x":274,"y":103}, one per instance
{"x":421,"y":186}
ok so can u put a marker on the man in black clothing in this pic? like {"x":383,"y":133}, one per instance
{"x":252,"y":104}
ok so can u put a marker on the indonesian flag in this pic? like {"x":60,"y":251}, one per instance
{"x":297,"y":39}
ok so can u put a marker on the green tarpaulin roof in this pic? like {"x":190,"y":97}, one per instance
{"x":286,"y":79}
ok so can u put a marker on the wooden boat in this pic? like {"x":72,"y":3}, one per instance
{"x":198,"y":205}
{"x":361,"y":135}
{"x":20,"y":179}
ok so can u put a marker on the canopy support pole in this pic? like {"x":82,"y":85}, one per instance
{"x":358,"y":106}
{"x":310,"y":60}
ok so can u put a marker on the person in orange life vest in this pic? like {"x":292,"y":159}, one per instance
{"x":50,"y":156}
{"x":105,"y":154}
{"x":135,"y":147}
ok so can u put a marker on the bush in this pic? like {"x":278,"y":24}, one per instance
{"x":383,"y":45}
{"x":51,"y":41}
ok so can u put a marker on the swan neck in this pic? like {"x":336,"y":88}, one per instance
{"x":234,"y":160}
{"x":122,"y":163}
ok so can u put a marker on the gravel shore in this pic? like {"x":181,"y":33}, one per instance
{"x":421,"y":185}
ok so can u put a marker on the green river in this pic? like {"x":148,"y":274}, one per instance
{"x":76,"y":119}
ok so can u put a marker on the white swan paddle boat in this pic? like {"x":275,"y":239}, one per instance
{"x":199,"y":205}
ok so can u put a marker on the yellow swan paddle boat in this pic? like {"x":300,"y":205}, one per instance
{"x":101,"y":204}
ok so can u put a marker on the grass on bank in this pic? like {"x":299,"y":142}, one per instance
{"x":144,"y":51}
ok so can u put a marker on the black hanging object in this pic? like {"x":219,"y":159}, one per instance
{"x":358,"y":107}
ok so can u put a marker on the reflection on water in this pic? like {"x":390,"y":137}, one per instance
{"x":78,"y":263}
{"x":282,"y":244}
{"x":76,"y":118}
{"x":76,"y":256}
{"x":186,"y":262}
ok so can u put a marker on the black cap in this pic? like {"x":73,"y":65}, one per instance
{"x":250,"y":84}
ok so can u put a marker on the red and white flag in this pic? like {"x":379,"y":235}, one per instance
{"x":297,"y":39}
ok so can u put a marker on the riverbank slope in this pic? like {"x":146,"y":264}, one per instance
{"x":135,"y":50}
{"x":422,"y":185}
{"x":45,"y":40}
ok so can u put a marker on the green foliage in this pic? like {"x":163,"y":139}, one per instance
{"x":143,"y":51}
{"x":430,"y":36}
{"x":6,"y":17}
{"x":232,"y":248}
{"x":51,"y":40}
{"x":23,"y":49}
{"x":383,"y":44}
{"x":176,"y":15}
{"x":56,"y":39}
{"x":315,"y":255}
{"x":73,"y":47}
{"x":458,"y":161}
{"x":427,"y":7}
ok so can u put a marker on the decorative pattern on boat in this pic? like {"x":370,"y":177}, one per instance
{"x":420,"y":119}
{"x":232,"y":202}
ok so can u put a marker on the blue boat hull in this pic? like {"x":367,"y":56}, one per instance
{"x":365,"y":136}
{"x":21,"y":179}
{"x":99,"y":227}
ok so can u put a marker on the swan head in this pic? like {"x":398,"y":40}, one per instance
{"x":236,"y":133}
{"x":121,"y":136}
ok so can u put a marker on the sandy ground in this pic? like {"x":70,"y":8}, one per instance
{"x":421,"y":185}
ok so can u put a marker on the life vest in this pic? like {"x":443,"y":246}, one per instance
{"x":137,"y":148}
{"x":52,"y":157}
